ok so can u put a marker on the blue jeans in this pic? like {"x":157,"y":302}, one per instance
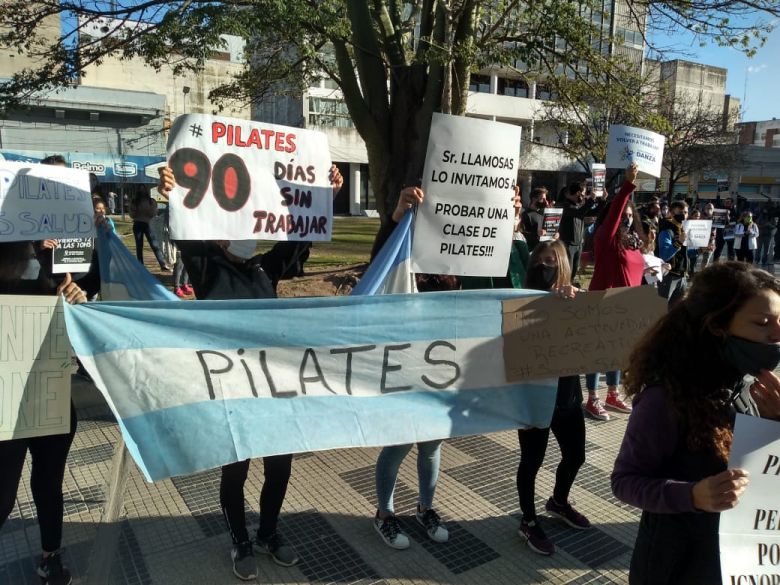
{"x":388,"y":463}
{"x":591,"y":380}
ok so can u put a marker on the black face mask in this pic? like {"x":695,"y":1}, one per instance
{"x":750,"y":357}
{"x":679,"y":217}
{"x":541,"y":204}
{"x":546,"y":275}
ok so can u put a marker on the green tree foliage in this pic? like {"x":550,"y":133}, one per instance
{"x":395,"y":62}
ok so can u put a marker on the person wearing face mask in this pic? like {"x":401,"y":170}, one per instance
{"x":548,"y":270}
{"x":221,"y":270}
{"x":673,"y":460}
{"x":618,"y":244}
{"x":22,"y":274}
{"x":577,"y":211}
{"x":746,"y":237}
{"x":672,"y":249}
{"x":532,"y":219}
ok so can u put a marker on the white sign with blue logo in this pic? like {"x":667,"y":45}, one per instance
{"x":627,"y":145}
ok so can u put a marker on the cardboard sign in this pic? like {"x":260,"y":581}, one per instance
{"x":750,"y":532}
{"x":35,"y":359}
{"x":244,"y":180}
{"x":598,"y":178}
{"x":465,"y":224}
{"x":728,"y":232}
{"x":720,"y":218}
{"x":552,"y":221}
{"x":627,"y":145}
{"x":548,"y":336}
{"x":72,"y":255}
{"x":697,"y":232}
{"x":41,"y":202}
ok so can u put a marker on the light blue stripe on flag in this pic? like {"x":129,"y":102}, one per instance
{"x":122,"y":276}
{"x":394,"y":256}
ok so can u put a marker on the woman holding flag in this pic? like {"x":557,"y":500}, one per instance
{"x":21,"y":274}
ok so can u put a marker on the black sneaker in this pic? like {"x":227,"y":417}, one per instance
{"x":390,"y":530}
{"x":535,"y":537}
{"x":430,"y":520}
{"x":282,"y":553}
{"x":52,"y":572}
{"x":244,"y":564}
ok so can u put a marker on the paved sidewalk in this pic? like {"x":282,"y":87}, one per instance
{"x":172,"y":532}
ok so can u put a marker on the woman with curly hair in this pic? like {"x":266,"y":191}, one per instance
{"x":673,"y":460}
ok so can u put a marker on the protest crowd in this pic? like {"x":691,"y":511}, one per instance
{"x":711,"y":356}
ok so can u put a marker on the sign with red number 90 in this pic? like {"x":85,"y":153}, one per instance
{"x":238,"y":179}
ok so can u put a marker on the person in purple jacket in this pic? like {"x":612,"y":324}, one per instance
{"x":673,"y":460}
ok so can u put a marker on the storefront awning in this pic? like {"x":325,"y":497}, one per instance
{"x":107,"y":167}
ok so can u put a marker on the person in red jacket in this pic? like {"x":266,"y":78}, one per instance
{"x":617,"y":248}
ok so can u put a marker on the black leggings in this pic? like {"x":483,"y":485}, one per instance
{"x":568,"y":426}
{"x":49,"y":455}
{"x":231,"y":495}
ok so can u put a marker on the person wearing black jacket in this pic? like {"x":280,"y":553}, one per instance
{"x":533,"y":218}
{"x":229,"y":270}
{"x":576,"y":208}
{"x":21,"y":274}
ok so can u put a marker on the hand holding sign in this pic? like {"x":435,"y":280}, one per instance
{"x":720,"y":492}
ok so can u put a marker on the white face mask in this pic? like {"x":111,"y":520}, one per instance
{"x":33,"y":270}
{"x":244,"y":249}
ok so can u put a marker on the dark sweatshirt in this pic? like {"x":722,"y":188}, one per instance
{"x":214,"y":277}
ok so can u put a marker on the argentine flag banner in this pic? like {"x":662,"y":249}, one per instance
{"x":197,"y":385}
{"x":122,"y":276}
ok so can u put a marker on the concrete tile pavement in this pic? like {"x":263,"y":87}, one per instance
{"x":172,"y":532}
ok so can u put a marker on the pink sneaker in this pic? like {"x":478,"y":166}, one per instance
{"x":595,"y":409}
{"x":615,"y":403}
{"x":188,"y":289}
{"x":179,"y":292}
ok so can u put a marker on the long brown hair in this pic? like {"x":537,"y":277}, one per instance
{"x":561,"y":259}
{"x":681,"y":353}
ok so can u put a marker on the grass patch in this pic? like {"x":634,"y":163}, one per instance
{"x":351,"y":243}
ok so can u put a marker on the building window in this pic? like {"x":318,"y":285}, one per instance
{"x":513,"y":87}
{"x":479,"y":83}
{"x":329,"y":112}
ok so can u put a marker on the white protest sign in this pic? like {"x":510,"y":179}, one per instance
{"x":654,"y":271}
{"x":697,"y":232}
{"x":598,"y":178}
{"x":35,"y":360}
{"x":750,"y":532}
{"x":628,"y":145}
{"x":42,"y":202}
{"x":243,"y":180}
{"x":465,"y":224}
{"x":551,"y":223}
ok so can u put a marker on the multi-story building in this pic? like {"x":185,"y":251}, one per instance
{"x":112,"y":118}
